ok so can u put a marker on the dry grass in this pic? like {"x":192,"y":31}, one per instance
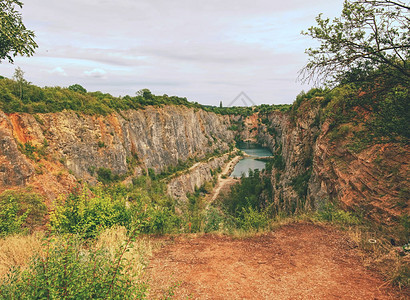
{"x":139,"y":251}
{"x":379,"y":254}
{"x":17,"y":250}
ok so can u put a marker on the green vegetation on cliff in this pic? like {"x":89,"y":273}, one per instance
{"x":20,"y":96}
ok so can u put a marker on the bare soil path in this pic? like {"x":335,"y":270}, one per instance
{"x":297,"y":261}
{"x":223,"y":184}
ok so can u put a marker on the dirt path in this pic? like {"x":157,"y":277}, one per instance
{"x":298,"y":261}
{"x":223,"y":183}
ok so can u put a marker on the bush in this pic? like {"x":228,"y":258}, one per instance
{"x":70,"y":271}
{"x":87,"y":214}
{"x":106,"y":176}
{"x":246,"y":204}
{"x":213,"y":220}
{"x":331,"y":213}
{"x":20,"y":211}
{"x":158,"y":220}
{"x":252,"y":219}
{"x":300,"y":184}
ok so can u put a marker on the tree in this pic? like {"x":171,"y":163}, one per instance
{"x":20,"y":81}
{"x":15,"y":38}
{"x":146,"y":94}
{"x":77,"y":88}
{"x":370,"y":37}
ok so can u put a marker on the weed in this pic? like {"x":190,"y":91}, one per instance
{"x":101,"y":144}
{"x":20,"y":211}
{"x":69,"y":270}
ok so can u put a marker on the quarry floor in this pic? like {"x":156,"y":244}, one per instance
{"x":296,"y":261}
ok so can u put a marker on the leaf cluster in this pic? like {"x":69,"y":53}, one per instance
{"x":15,"y":38}
{"x":369,"y":36}
{"x":70,"y":270}
{"x":20,"y":212}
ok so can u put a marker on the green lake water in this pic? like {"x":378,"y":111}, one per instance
{"x":251,"y":162}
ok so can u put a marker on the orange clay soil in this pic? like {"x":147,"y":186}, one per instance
{"x":297,"y":261}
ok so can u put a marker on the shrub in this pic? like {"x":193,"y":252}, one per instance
{"x":213,"y":220}
{"x":101,"y":144}
{"x":158,"y":220}
{"x":87,"y":215}
{"x":70,"y":271}
{"x":331,"y":213}
{"x":20,"y":211}
{"x":106,"y":176}
{"x":252,"y":219}
{"x":300,"y":184}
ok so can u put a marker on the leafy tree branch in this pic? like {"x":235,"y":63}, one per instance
{"x":369,"y":36}
{"x":15,"y":38}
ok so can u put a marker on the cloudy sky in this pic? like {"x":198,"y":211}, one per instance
{"x":207,"y":51}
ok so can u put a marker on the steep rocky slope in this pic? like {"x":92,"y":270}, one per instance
{"x":51,"y":152}
{"x":312,"y":167}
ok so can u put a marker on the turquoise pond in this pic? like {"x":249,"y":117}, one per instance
{"x":251,"y":162}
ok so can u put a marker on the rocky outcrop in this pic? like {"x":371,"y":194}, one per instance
{"x":199,"y":174}
{"x":69,"y":146}
{"x":292,"y":141}
{"x":311,"y":168}
{"x":374,"y":182}
{"x":52,"y":152}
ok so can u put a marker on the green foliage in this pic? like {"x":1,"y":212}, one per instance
{"x":369,"y":36}
{"x":145,"y":205}
{"x":300,"y":184}
{"x":246,"y":204}
{"x":77,"y":88}
{"x":76,"y":98}
{"x":214,"y":220}
{"x":252,"y":219}
{"x":87,"y":214}
{"x":233,"y":127}
{"x":331,"y":213}
{"x":11,"y":221}
{"x":392,"y":114}
{"x":15,"y":38}
{"x":34,"y":152}
{"x":279,"y":162}
{"x":311,"y":96}
{"x":272,"y":130}
{"x":20,"y":212}
{"x":68,"y":270}
{"x":101,"y":144}
{"x":106,"y":176}
{"x":159,"y":220}
{"x":152,"y":210}
{"x":151,"y":173}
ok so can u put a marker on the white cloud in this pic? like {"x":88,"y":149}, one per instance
{"x":206,"y":51}
{"x":58,"y":70}
{"x":96,"y":73}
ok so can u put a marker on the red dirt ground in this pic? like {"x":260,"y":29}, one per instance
{"x":297,"y":261}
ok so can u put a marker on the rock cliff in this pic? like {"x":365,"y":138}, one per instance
{"x":311,"y":168}
{"x":51,"y":152}
{"x":179,"y":186}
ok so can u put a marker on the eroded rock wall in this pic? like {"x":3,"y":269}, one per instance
{"x":201,"y":173}
{"x":317,"y":168}
{"x":74,"y":146}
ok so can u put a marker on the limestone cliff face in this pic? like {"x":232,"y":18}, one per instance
{"x":292,"y":142}
{"x":57,"y":149}
{"x":374,"y":182}
{"x":52,"y":152}
{"x":316,"y":169}
{"x":199,"y":174}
